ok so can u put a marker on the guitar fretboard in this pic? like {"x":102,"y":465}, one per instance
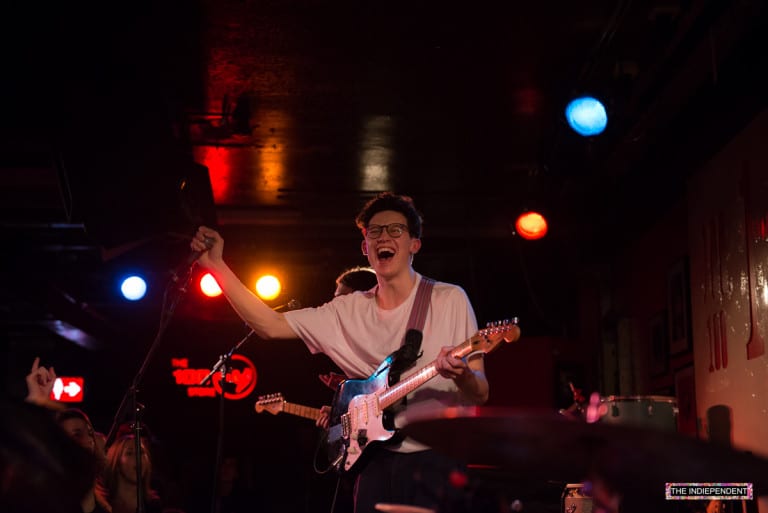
{"x":483,"y":341}
{"x":415,"y":380}
{"x":302,"y":411}
{"x":403,"y":388}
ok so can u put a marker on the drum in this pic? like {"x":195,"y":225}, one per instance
{"x":576,"y":499}
{"x":650,"y":411}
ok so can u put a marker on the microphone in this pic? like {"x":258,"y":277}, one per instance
{"x":293,"y":304}
{"x":187,"y":264}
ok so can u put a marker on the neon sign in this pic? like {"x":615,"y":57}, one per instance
{"x":240,"y":380}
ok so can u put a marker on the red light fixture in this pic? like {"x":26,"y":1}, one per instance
{"x":531,"y":225}
{"x":209,"y":286}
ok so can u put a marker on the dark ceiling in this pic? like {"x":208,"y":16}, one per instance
{"x":128,"y":125}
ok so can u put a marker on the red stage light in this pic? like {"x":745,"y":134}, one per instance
{"x":209,"y":286}
{"x":531,"y":226}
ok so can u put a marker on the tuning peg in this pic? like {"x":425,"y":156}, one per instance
{"x":490,"y":325}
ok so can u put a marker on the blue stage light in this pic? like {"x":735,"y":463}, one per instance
{"x":586,"y":116}
{"x":133,"y":288}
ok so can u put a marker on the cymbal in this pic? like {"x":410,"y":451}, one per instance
{"x":543,"y":444}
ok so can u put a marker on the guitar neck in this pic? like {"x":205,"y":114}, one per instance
{"x":301,"y":411}
{"x":415,"y":380}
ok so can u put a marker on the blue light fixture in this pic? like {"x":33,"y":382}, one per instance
{"x":586,"y":116}
{"x":133,"y":288}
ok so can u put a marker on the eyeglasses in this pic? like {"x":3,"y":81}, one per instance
{"x":374,"y":231}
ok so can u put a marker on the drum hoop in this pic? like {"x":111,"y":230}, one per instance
{"x":641,"y":398}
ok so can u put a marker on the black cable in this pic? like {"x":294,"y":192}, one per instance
{"x":335,"y":495}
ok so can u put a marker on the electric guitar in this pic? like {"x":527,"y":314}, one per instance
{"x":358,"y":409}
{"x":274,"y":404}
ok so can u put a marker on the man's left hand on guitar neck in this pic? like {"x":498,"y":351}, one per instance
{"x":324,"y":420}
{"x":468,"y":374}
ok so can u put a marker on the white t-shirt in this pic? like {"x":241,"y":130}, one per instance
{"x":358,"y":335}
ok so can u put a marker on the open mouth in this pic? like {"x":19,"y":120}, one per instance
{"x":385,"y":254}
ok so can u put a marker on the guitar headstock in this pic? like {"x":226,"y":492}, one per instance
{"x":273,"y":403}
{"x":486,"y":340}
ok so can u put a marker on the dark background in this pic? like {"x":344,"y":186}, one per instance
{"x":126,"y":126}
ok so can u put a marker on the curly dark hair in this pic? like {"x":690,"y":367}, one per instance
{"x":395,"y":202}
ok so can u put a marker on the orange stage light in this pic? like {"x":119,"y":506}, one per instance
{"x":268,"y":287}
{"x":531,"y":225}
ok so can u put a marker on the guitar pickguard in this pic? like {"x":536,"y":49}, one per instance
{"x":356,"y":419}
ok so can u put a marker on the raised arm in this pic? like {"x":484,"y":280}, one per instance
{"x":264,"y":321}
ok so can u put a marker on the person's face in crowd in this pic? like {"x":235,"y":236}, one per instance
{"x":127,"y":462}
{"x":78,"y":430}
{"x":388,"y":244}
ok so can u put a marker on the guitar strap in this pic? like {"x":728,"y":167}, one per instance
{"x":406,"y":356}
{"x":421,"y":304}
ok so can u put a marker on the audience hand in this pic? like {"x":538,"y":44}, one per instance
{"x":40,"y":383}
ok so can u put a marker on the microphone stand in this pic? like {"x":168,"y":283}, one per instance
{"x":167,"y":311}
{"x":222,"y":365}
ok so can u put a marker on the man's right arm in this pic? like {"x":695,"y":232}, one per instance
{"x":264,"y":321}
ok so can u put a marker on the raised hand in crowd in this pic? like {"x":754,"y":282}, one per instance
{"x":40,"y":382}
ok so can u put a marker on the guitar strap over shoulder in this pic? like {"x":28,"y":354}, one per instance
{"x":408,"y":352}
{"x":421,"y":304}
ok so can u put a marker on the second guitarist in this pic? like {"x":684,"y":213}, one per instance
{"x":359,"y":330}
